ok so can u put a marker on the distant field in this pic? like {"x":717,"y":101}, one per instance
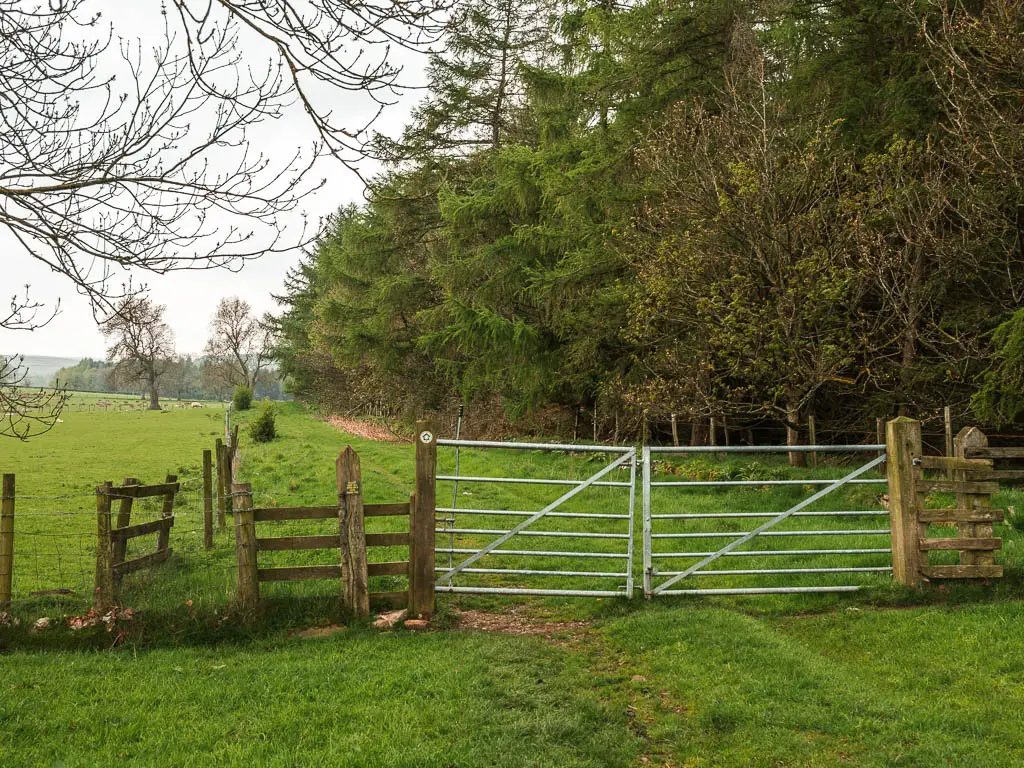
{"x":880,"y":678}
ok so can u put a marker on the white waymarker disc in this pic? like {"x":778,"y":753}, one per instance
{"x":426,"y":437}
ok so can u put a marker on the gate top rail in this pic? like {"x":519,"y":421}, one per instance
{"x":537,"y":446}
{"x":766,"y":448}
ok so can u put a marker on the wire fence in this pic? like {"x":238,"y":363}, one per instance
{"x":55,"y":555}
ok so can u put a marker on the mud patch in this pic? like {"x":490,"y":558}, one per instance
{"x":515,"y":622}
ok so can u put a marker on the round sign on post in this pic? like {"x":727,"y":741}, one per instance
{"x":426,"y":437}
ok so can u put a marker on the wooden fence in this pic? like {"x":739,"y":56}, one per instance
{"x":113,"y":535}
{"x":352,"y":541}
{"x":971,"y":480}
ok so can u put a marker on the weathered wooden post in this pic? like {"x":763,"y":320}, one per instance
{"x":163,"y":539}
{"x":422,"y":524}
{"x":7,"y":540}
{"x":812,"y":438}
{"x":222,"y":486}
{"x":124,"y":519}
{"x":208,"y":499}
{"x":675,"y":431}
{"x":104,"y":596}
{"x":352,"y":530}
{"x":245,"y":547}
{"x":232,"y":451}
{"x":903,"y":445}
{"x":947,"y":418}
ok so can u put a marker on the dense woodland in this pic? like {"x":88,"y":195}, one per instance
{"x":762,"y":210}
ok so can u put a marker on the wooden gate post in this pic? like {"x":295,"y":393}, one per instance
{"x":207,"y":499}
{"x":245,"y":547}
{"x":422,"y":523}
{"x":352,"y":532}
{"x":903,"y":445}
{"x":222,"y":486}
{"x":104,"y":592}
{"x":6,"y":539}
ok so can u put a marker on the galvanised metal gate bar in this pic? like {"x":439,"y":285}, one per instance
{"x":625,"y":456}
{"x":740,"y":538}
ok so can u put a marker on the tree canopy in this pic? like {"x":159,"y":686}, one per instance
{"x":767,"y":210}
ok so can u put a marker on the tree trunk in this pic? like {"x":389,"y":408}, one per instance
{"x":154,"y":396}
{"x":793,"y":434}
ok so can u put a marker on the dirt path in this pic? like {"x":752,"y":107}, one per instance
{"x":367,"y":429}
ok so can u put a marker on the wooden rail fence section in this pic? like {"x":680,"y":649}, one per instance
{"x":351,"y":541}
{"x":113,"y":534}
{"x":969,"y":479}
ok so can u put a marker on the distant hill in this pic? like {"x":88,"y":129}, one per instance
{"x":41,"y":368}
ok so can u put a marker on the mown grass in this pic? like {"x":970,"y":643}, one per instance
{"x":883,"y":677}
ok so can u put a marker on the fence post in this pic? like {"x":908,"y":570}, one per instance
{"x":207,"y":499}
{"x":163,"y":539}
{"x":104,"y":592}
{"x":352,"y":531}
{"x":421,"y":523}
{"x":903,"y":445}
{"x":675,"y":431}
{"x":245,"y":547}
{"x":812,"y":438}
{"x":880,"y":434}
{"x":222,"y":486}
{"x":7,"y":540}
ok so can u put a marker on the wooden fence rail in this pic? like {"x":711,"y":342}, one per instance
{"x":113,"y":535}
{"x":351,"y":541}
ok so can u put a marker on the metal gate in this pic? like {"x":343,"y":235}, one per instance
{"x":703,"y":520}
{"x":592,"y":523}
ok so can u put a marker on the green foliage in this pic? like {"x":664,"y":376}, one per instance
{"x":242,"y":399}
{"x":264,"y":429}
{"x":1001,"y":396}
{"x":699,"y":208}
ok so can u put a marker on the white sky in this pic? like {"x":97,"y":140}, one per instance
{"x":191,"y":297}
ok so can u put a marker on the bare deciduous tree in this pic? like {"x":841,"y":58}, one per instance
{"x":239,"y":344}
{"x":135,"y":153}
{"x":143,"y":345}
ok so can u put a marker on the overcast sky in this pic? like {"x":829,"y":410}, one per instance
{"x":191,"y":297}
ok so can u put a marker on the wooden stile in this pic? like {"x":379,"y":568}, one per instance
{"x":7,"y":539}
{"x":352,"y":531}
{"x":422,"y":523}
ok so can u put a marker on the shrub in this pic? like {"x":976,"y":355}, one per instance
{"x":242,"y":400}
{"x":263,"y":429}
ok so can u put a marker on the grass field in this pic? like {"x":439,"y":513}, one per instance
{"x":880,"y":678}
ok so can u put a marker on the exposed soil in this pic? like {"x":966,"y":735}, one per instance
{"x":322,"y":631}
{"x":368,"y":429}
{"x":514,"y":622}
